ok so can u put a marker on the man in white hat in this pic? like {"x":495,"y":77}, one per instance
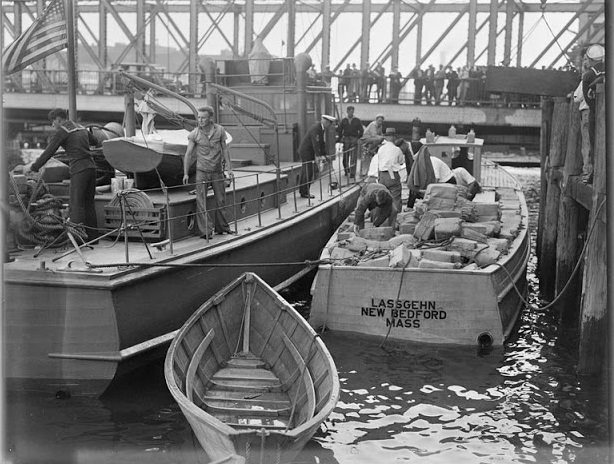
{"x":312,"y":147}
{"x":371,"y":139}
{"x":594,"y":74}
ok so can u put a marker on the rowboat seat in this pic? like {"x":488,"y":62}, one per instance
{"x":246,"y":395}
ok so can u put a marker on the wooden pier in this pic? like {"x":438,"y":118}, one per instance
{"x":572,"y":227}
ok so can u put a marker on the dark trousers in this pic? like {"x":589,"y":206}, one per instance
{"x":393,"y":184}
{"x":82,"y":206}
{"x":350,"y":155}
{"x":309,"y":171}
{"x":215,"y":180}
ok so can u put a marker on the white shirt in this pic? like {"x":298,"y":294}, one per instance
{"x":389,"y":158}
{"x":442,"y":172}
{"x":578,"y":97}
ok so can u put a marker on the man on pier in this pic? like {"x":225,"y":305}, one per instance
{"x":209,"y":141}
{"x":376,"y":198}
{"x":349,"y":131}
{"x":595,"y":73}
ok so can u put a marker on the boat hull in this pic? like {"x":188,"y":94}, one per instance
{"x":470,"y":307}
{"x":248,"y":322}
{"x":76,"y":333}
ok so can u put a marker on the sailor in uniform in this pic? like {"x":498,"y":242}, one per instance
{"x":76,"y":141}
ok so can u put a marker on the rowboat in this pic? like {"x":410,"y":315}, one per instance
{"x":250,"y":375}
{"x":158,"y":154}
{"x":420,"y":300}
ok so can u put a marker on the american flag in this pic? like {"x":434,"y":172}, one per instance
{"x":45,"y":36}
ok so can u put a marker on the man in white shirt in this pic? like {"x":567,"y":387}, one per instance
{"x":459,"y":176}
{"x":386,"y":165}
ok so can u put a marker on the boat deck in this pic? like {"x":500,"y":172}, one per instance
{"x":247,"y":395}
{"x":113,"y":250}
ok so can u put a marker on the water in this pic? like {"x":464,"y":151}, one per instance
{"x":413,"y":403}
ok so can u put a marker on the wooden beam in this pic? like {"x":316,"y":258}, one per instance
{"x":273,"y":21}
{"x":308,"y":6}
{"x":337,"y":13}
{"x":193,"y":45}
{"x":472,"y":32}
{"x":492,"y":33}
{"x":564,"y":29}
{"x":249,"y":27}
{"x":572,"y":42}
{"x":520,"y":38}
{"x":509,"y":30}
{"x":325,"y":33}
{"x":291,"y":31}
{"x":103,"y":54}
{"x":396,"y":30}
{"x":365,"y":33}
{"x":357,"y":42}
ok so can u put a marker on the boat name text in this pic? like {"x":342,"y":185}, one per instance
{"x":403,"y":313}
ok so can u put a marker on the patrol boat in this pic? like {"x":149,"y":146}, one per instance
{"x":78,"y":317}
{"x":455,"y":272}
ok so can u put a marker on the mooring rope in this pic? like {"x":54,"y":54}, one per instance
{"x":571,"y":277}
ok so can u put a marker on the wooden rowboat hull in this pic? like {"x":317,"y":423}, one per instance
{"x":425,"y":305}
{"x":131,"y":158}
{"x":222,"y":369}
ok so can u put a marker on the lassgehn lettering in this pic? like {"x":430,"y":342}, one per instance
{"x":402,"y":304}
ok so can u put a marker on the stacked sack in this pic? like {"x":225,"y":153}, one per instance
{"x":443,"y":231}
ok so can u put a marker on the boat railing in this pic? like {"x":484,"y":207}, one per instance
{"x":494,"y":175}
{"x":328,"y":184}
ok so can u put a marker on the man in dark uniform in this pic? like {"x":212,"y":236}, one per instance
{"x":376,"y":198}
{"x":312,"y":147}
{"x":76,"y":141}
{"x":349,"y":131}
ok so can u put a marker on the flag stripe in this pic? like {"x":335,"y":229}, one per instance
{"x":46,"y":35}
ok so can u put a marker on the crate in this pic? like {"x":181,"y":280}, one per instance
{"x":151,"y":221}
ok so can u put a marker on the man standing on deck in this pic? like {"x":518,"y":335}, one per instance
{"x":76,"y":141}
{"x":349,"y":131}
{"x":209,"y":140}
{"x":376,"y":198}
{"x":312,"y":147}
{"x":386,"y":164}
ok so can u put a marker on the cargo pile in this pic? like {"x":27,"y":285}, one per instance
{"x":442,"y":231}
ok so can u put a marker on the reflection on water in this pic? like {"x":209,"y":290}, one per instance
{"x":405,"y":403}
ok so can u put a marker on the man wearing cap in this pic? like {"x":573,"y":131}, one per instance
{"x":371,"y":138}
{"x":594,"y":74}
{"x":76,"y":141}
{"x":312,"y":146}
{"x":209,"y":141}
{"x":349,"y":131}
{"x":386,"y":164}
{"x":376,"y":198}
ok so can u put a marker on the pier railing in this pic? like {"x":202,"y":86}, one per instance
{"x":572,"y":221}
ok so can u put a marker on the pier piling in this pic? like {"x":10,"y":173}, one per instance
{"x":568,"y":228}
{"x":570,"y":209}
{"x":554,"y":174}
{"x":594,"y":326}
